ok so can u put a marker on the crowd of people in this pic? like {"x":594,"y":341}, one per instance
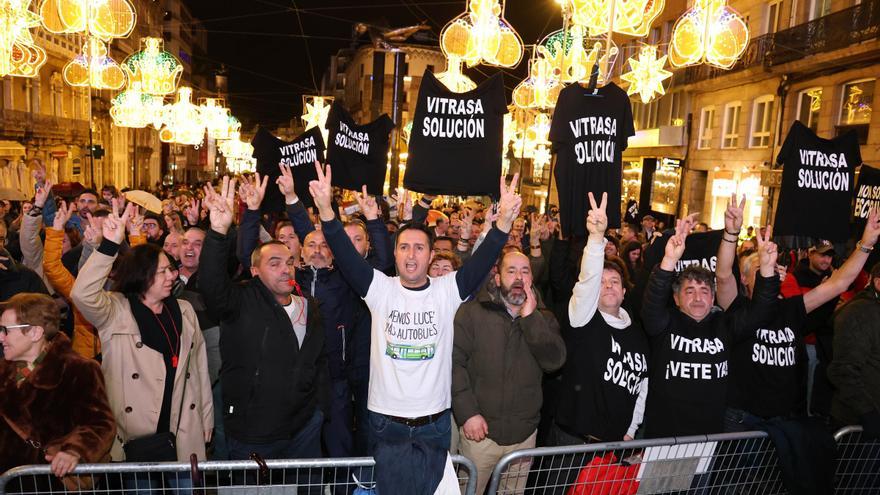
{"x":222,"y":328}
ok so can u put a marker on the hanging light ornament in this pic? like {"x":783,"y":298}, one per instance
{"x":94,"y":68}
{"x":316,"y":110}
{"x":539,"y":90}
{"x":182,"y":121}
{"x":709,"y":32}
{"x":238,"y":154}
{"x":540,"y":160}
{"x":157,"y":70}
{"x":482,"y":35}
{"x":631,"y":17}
{"x":453,"y":78}
{"x":134,"y":108}
{"x":647,"y":74}
{"x":104,"y":19}
{"x":572,"y":54}
{"x":535,"y":134}
{"x":217,"y":118}
{"x":19,"y":55}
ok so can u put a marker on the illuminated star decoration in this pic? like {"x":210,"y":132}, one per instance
{"x":647,"y":74}
{"x":540,"y":160}
{"x":709,"y":32}
{"x":482,"y":36}
{"x":19,"y":55}
{"x":316,"y":110}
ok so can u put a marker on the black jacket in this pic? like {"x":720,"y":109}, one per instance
{"x":271,"y":385}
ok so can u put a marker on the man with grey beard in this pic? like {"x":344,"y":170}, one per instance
{"x":505,"y":340}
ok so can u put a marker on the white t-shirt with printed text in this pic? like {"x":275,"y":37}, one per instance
{"x":411,"y":345}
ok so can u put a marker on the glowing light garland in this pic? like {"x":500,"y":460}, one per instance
{"x":182,"y":121}
{"x":572,"y":54}
{"x":482,"y":35}
{"x":157,"y":70}
{"x":539,"y":90}
{"x":134,"y":108}
{"x":94,"y":68}
{"x":647,"y":74}
{"x":217,"y":118}
{"x":104,"y":19}
{"x":453,"y":78}
{"x":709,"y":32}
{"x":19,"y":55}
{"x":238,"y":154}
{"x":631,"y":17}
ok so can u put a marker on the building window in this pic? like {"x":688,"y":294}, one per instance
{"x":773,"y":8}
{"x":707,"y":115}
{"x":855,"y":108}
{"x":819,"y":8}
{"x":809,"y":104}
{"x":730,"y":132}
{"x":762,"y":121}
{"x":645,"y":115}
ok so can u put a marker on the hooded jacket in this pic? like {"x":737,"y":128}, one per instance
{"x":855,"y":370}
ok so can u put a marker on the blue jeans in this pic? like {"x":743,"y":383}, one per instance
{"x":337,"y":432}
{"x":383,"y":429}
{"x":178,"y":483}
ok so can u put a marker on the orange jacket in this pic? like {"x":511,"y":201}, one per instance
{"x":85,"y":338}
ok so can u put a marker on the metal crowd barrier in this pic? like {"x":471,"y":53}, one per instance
{"x":858,"y":462}
{"x":256,"y":477}
{"x":729,"y":463}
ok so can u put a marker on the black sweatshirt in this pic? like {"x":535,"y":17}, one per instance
{"x":688,"y":370}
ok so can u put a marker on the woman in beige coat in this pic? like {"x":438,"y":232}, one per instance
{"x":154,"y":359}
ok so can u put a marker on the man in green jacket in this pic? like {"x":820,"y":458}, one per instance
{"x":505,"y":341}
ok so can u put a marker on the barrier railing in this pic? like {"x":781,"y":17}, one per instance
{"x":258,"y":477}
{"x":723,"y":463}
{"x":858,"y":462}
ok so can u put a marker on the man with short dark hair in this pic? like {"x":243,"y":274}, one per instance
{"x":153,"y":229}
{"x":690,"y":343}
{"x":443,"y":245}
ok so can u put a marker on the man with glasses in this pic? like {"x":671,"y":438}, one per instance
{"x":153,"y":229}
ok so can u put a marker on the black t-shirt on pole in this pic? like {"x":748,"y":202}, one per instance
{"x":456,"y":139}
{"x":589,"y":134}
{"x":817,"y":184}
{"x":300,"y":154}
{"x":358,"y":154}
{"x":867,"y":195}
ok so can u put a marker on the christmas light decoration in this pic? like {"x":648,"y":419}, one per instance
{"x":482,"y":35}
{"x":647,"y":74}
{"x":536,"y":134}
{"x":182,"y":121}
{"x":102,"y":18}
{"x":19,"y":55}
{"x":316,"y":110}
{"x":539,"y":90}
{"x":709,"y":32}
{"x":94,"y":68}
{"x":134,"y":108}
{"x":217,"y":118}
{"x":572,"y":54}
{"x":157,"y":70}
{"x":453,"y":78}
{"x":540,"y":160}
{"x":631,"y":17}
{"x":238,"y":154}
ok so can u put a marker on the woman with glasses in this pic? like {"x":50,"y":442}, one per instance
{"x":53,"y":406}
{"x":154,"y":354}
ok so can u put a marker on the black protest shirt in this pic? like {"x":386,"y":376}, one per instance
{"x":817,"y":184}
{"x":589,"y":134}
{"x":601,"y":378}
{"x":767,"y":370}
{"x":300,"y":154}
{"x":867,"y":194}
{"x":700,"y":249}
{"x":358,"y":154}
{"x":456,"y":139}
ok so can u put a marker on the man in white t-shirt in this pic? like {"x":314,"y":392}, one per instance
{"x":412,"y":319}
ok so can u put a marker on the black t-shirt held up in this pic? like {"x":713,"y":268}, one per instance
{"x":300,"y":154}
{"x":589,"y":134}
{"x":456,"y":139}
{"x":358,"y":154}
{"x":817,"y":184}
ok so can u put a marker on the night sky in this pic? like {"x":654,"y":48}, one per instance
{"x":268,"y":59}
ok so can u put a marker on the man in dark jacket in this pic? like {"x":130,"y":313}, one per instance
{"x":504,"y":343}
{"x":272,"y":343}
{"x":16,"y":278}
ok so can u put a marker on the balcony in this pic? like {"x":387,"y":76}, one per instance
{"x":832,"y":32}
{"x":26,"y":126}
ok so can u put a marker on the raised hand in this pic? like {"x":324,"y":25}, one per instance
{"x":406,"y":204}
{"x":597,"y":219}
{"x":509,"y":204}
{"x":767,"y":252}
{"x":676,"y":244}
{"x":92,"y":235}
{"x":136,"y":222}
{"x":43,"y":190}
{"x":222,"y":205}
{"x":322,"y":191}
{"x":253,"y":190}
{"x":872,"y":229}
{"x":62,"y":216}
{"x":467,"y":224}
{"x":733,"y":217}
{"x":368,"y":204}
{"x":113,"y":228}
{"x":286,"y":184}
{"x":531,"y":303}
{"x":192,"y":212}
